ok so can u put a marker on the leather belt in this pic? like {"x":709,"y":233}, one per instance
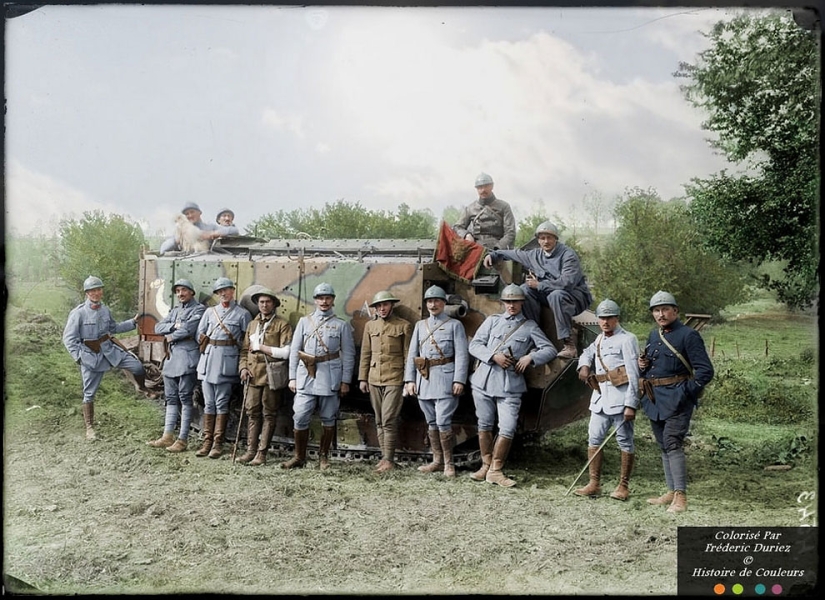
{"x":601,"y":377}
{"x":668,"y":380}
{"x":327,"y":357}
{"x":94,"y":345}
{"x":221,"y":342}
{"x":434,"y":362}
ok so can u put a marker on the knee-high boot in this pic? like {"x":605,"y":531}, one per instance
{"x":300,"y":458}
{"x":438,"y":457}
{"x":266,"y":438}
{"x":622,"y":491}
{"x":447,"y":439}
{"x":253,"y":430}
{"x":326,"y":443}
{"x":89,"y":419}
{"x":208,"y":433}
{"x":593,"y":488}
{"x":485,"y":444}
{"x":220,"y":431}
{"x":496,"y":474}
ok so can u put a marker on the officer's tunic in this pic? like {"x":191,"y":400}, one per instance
{"x":320,"y":334}
{"x":607,"y":405}
{"x":490,"y":221}
{"x":498,"y":391}
{"x":561,"y":284}
{"x":90,"y":324}
{"x":218,"y":365}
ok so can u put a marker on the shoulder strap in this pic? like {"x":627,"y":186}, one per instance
{"x":224,"y":327}
{"x":507,"y":337}
{"x":599,"y":352}
{"x":676,"y":352}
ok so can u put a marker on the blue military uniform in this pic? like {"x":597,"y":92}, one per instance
{"x":218,"y":365}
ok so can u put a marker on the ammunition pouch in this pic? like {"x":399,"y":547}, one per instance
{"x":592,"y":382}
{"x":203,"y":342}
{"x":310,"y":361}
{"x":617,"y":376}
{"x":94,"y":345}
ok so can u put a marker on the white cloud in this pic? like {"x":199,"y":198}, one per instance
{"x":290,"y":122}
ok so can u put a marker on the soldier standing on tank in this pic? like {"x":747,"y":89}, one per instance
{"x":436,"y":371}
{"x":675,"y":368}
{"x":384,"y":349}
{"x":267,"y":338}
{"x":180,"y":375}
{"x":554,"y":279}
{"x":89,"y":338}
{"x":321,"y":364}
{"x":615,"y":398}
{"x":505,"y":345}
{"x":487,"y":221}
{"x":220,"y":334}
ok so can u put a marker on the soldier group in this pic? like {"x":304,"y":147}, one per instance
{"x":430,"y":361}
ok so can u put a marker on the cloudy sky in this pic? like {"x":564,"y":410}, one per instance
{"x":139,"y":109}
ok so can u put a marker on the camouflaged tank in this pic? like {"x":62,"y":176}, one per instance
{"x":357,"y":269}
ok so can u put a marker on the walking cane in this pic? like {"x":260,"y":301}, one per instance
{"x":240,"y":420}
{"x":587,"y":464}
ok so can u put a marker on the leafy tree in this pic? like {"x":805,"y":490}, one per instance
{"x":759,"y":83}
{"x":345,"y":220}
{"x":657,"y":247}
{"x":107,"y":246}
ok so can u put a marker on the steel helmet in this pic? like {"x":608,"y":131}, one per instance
{"x":383,"y":297}
{"x":224,"y":210}
{"x":661,"y":298}
{"x":92,"y":283}
{"x":435,"y":292}
{"x":221,"y":283}
{"x":323,"y":289}
{"x":483,"y":179}
{"x":183,"y":283}
{"x":608,"y":308}
{"x":190,"y":206}
{"x":264,"y":291}
{"x":547,"y":227}
{"x":512,"y":292}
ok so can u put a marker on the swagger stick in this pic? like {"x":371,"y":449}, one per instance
{"x":240,"y":420}
{"x":587,"y":464}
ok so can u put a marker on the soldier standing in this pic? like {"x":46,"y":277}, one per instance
{"x":220,"y":335}
{"x":88,"y":336}
{"x":180,"y":367}
{"x":676,"y":368}
{"x":436,"y":371}
{"x":381,"y":371}
{"x":267,"y":339}
{"x":321,"y":362}
{"x":615,"y":396}
{"x":488,"y":221}
{"x":505,"y":345}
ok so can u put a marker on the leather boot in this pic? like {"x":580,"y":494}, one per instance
{"x":664,"y":499}
{"x":164,"y":441}
{"x":140,"y":386}
{"x":253,"y":430}
{"x":89,"y":419}
{"x":220,"y":431}
{"x":569,"y":349}
{"x":438,"y":457}
{"x":263,"y":447}
{"x":622,"y":491}
{"x":679,"y":503}
{"x":485,"y":443}
{"x":387,"y":453}
{"x":326,"y":443}
{"x":447,"y":439}
{"x":500,"y":452}
{"x":300,"y":458}
{"x":208,"y":432}
{"x":593,"y":488}
{"x":179,"y":446}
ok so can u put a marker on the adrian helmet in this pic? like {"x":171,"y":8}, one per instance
{"x":383,"y":296}
{"x":661,"y":298}
{"x":224,"y":210}
{"x":92,"y":283}
{"x":512,"y":292}
{"x":190,"y":206}
{"x":608,"y":308}
{"x":483,"y":179}
{"x":183,"y":283}
{"x":435,"y":292}
{"x":221,"y":283}
{"x":264,"y":291}
{"x":548,"y":227}
{"x":323,"y":289}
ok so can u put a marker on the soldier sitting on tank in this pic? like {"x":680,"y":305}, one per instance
{"x":488,"y":221}
{"x":193,"y":213}
{"x":180,"y":376}
{"x":505,"y":345}
{"x":436,"y":371}
{"x":267,"y":339}
{"x":554,"y":279}
{"x":321,"y":364}
{"x":89,"y":338}
{"x":384,"y":349}
{"x":226,"y":225}
{"x":615,"y":397}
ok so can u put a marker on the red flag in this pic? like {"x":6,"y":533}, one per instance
{"x":458,"y":256}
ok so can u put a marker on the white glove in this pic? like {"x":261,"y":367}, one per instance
{"x":282,"y":352}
